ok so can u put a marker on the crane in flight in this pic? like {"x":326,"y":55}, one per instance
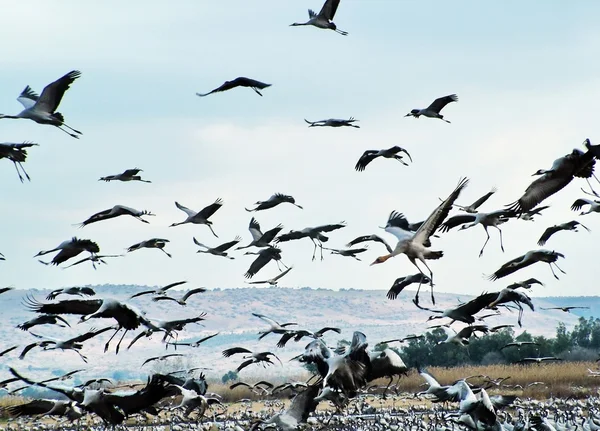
{"x":324,"y":19}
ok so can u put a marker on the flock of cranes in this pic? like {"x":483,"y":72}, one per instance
{"x":342,"y":374}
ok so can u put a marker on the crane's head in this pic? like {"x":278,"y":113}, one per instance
{"x":540,"y":172}
{"x":414,"y":113}
{"x":381,"y":259}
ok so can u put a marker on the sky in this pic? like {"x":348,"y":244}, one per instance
{"x":526,"y":74}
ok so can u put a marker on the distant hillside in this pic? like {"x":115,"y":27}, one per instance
{"x":229,"y":313}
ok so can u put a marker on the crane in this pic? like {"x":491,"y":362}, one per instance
{"x":238,"y":82}
{"x":433,"y":110}
{"x":324,"y":18}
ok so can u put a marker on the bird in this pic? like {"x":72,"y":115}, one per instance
{"x":273,"y":201}
{"x":74,"y":343}
{"x":299,"y":334}
{"x":537,"y":360}
{"x":519,"y":344}
{"x":526,"y":284}
{"x":566,"y":309}
{"x":220,"y":250}
{"x":563,"y":170}
{"x":366,"y":238}
{"x":16,"y":153}
{"x":261,"y":387}
{"x":183,"y":299}
{"x":333,"y":122}
{"x":69,"y":249}
{"x":239,"y":82}
{"x":252,"y":358}
{"x":272,"y":281}
{"x":116,"y":211}
{"x":260,"y":239}
{"x":127,"y":317}
{"x":158,"y":292}
{"x":529,"y":215}
{"x":95,"y":259}
{"x":509,"y":295}
{"x":461,"y":337}
{"x":158,"y":243}
{"x":390,"y":153}
{"x":572,"y":225}
{"x":265,"y":255}
{"x":42,"y":109}
{"x":462,"y":312}
{"x":401,"y":282}
{"x":579,"y":203}
{"x":351,"y":252}
{"x":128,"y":175}
{"x":472,"y":209}
{"x":529,"y":258}
{"x":5,"y":289}
{"x":44,"y":319}
{"x":486,"y":220}
{"x":274,"y":326}
{"x":79,"y":291}
{"x":314,"y":233}
{"x":162,"y":358}
{"x":402,"y":340}
{"x":413,"y":245}
{"x":297,"y":413}
{"x":324,"y":19}
{"x":194,"y":343}
{"x":433,"y":110}
{"x":200,"y":217}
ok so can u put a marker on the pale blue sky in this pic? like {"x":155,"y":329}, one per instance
{"x":527,"y":75}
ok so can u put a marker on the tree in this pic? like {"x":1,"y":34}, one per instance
{"x":230,"y":376}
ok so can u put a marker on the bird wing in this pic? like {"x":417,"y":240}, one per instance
{"x":579,"y":203}
{"x":206,"y":212}
{"x":32,"y":408}
{"x":53,"y":92}
{"x":397,"y":219}
{"x":539,"y":190}
{"x":367,"y":157}
{"x":281,"y":274}
{"x":322,"y":331}
{"x":291,"y":235}
{"x":186,"y":210}
{"x":244,"y":365}
{"x":328,"y":10}
{"x":510,"y":267}
{"x":330,"y":227}
{"x":456,"y":220}
{"x":145,"y":292}
{"x":28,"y":97}
{"x":90,"y":334}
{"x":131,"y":172}
{"x":547,"y":234}
{"x":254,"y":229}
{"x":193,"y":292}
{"x":202,"y":340}
{"x":397,"y":287}
{"x":258,"y":264}
{"x":304,"y":403}
{"x":227,"y":245}
{"x":266,"y":319}
{"x":71,"y":306}
{"x":439,"y":103}
{"x":269,"y":235}
{"x":234,"y":350}
{"x":437,"y":217}
{"x":482,"y":199}
{"x":228,"y":85}
{"x":285,"y":338}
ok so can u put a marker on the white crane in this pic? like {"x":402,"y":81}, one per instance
{"x":128,"y":175}
{"x":389,"y":153}
{"x":473,"y":207}
{"x":69,"y":249}
{"x":529,"y":258}
{"x":579,"y":203}
{"x":413,"y":244}
{"x":493,"y":219}
{"x":273,"y":201}
{"x":274,"y":326}
{"x":333,"y":122}
{"x":220,"y":250}
{"x":433,"y":110}
{"x":200,"y":217}
{"x":16,"y":153}
{"x":272,"y":281}
{"x":461,"y":337}
{"x":324,"y":18}
{"x":116,"y":211}
{"x":314,"y":233}
{"x":572,"y":225}
{"x":158,"y":243}
{"x":42,"y":109}
{"x":260,"y":239}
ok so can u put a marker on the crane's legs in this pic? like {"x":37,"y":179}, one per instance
{"x":119,"y":343}
{"x":165,"y":252}
{"x":68,"y":133}
{"x":211,"y":229}
{"x":486,"y":241}
{"x":399,"y":158}
{"x":110,"y":339}
{"x":72,"y":129}
{"x":343,"y":33}
{"x":17,"y":165}
{"x":557,"y":267}
{"x":501,"y":243}
{"x":256,"y":90}
{"x":416,"y":300}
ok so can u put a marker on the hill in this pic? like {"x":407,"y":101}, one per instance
{"x":229,"y":312}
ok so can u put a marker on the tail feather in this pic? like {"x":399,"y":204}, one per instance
{"x":434,"y":255}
